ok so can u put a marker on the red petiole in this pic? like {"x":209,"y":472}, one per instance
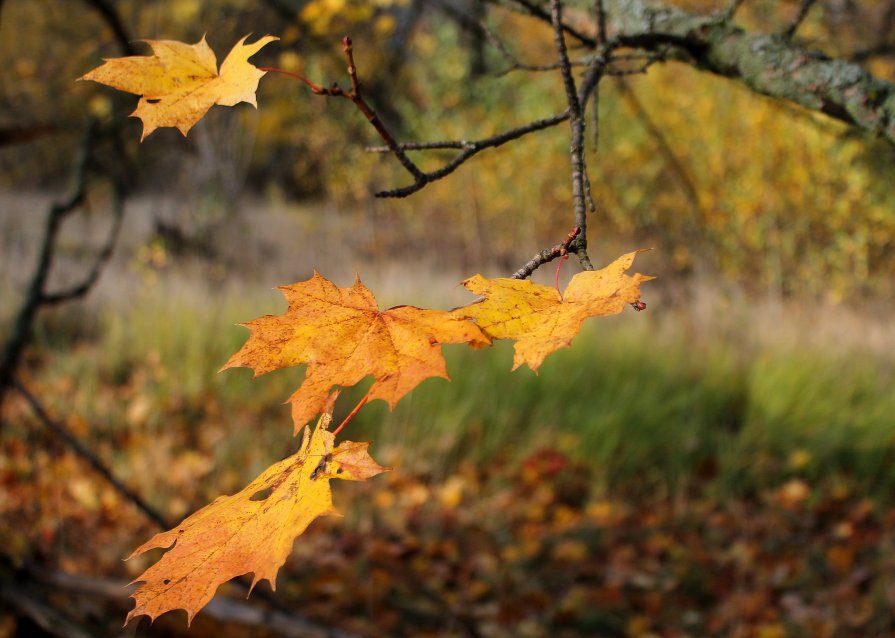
{"x":352,"y":413}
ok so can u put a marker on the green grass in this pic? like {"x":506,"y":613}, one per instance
{"x":658,"y":414}
{"x":652,"y":409}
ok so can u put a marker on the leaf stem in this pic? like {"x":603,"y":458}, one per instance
{"x":558,"y":266}
{"x":315,"y":88}
{"x":352,"y":413}
{"x":354,"y":95}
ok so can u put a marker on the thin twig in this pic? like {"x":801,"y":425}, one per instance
{"x":98,"y":466}
{"x":798,"y":18}
{"x":469,"y":149}
{"x":102,"y":257}
{"x":538,"y":12}
{"x":600,"y":16}
{"x":664,"y":146}
{"x":728,"y":14}
{"x":547,"y":255}
{"x":576,"y":123}
{"x":20,"y":333}
{"x":354,"y":95}
{"x":151,"y":513}
{"x":108,"y":12}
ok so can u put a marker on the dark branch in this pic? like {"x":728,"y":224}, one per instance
{"x":600,"y":17}
{"x":20,"y":333}
{"x":63,"y":434}
{"x":107,"y":11}
{"x":662,"y":143}
{"x":547,"y":255}
{"x":102,"y":257}
{"x":580,"y":182}
{"x":92,"y":460}
{"x":469,"y":149}
{"x":731,"y":10}
{"x":797,"y":20}
{"x":767,"y":64}
{"x":538,"y":12}
{"x":354,"y":95}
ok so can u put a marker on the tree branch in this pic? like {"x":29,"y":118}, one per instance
{"x":767,"y":64}
{"x":664,"y":146}
{"x":797,"y":20}
{"x":469,"y":149}
{"x":92,"y":460}
{"x":113,"y":19}
{"x":547,"y":255}
{"x":580,"y":182}
{"x":102,"y":257}
{"x":63,"y":434}
{"x":731,"y":10}
{"x":538,"y":12}
{"x":21,"y":328}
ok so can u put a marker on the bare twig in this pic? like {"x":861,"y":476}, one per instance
{"x":27,"y":601}
{"x":20,"y":333}
{"x":223,"y":610}
{"x":664,"y":146}
{"x":876,"y":51}
{"x":354,"y":95}
{"x":102,"y":257}
{"x":85,"y":164}
{"x":92,"y":460}
{"x":728,"y":14}
{"x":538,"y":12}
{"x":111,"y":16}
{"x":63,"y":434}
{"x":547,"y":255}
{"x":10,"y":135}
{"x":580,"y":184}
{"x":798,"y":18}
{"x":600,"y":17}
{"x":469,"y":149}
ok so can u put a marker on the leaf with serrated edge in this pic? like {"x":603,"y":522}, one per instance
{"x":251,"y":531}
{"x":343,"y":336}
{"x":180,"y":82}
{"x":539,"y":319}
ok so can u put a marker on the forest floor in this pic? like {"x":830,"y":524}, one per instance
{"x":719,"y":466}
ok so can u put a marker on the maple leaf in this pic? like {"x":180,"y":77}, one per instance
{"x":538,"y":318}
{"x":343,"y":336}
{"x":180,"y":82}
{"x":251,"y":531}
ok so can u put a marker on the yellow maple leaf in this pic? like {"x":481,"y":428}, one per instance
{"x":538,"y":318}
{"x":180,"y":82}
{"x":343,"y":336}
{"x":251,"y":531}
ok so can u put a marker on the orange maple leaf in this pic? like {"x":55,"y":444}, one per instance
{"x":180,"y":82}
{"x":251,"y":531}
{"x":343,"y":336}
{"x":538,"y":318}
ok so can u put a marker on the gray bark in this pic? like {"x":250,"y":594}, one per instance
{"x":769,"y":64}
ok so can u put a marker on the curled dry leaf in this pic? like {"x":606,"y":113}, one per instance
{"x":343,"y":336}
{"x":180,"y":82}
{"x":251,"y":531}
{"x":539,"y":319}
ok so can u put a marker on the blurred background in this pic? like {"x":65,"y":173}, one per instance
{"x":719,"y":465}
